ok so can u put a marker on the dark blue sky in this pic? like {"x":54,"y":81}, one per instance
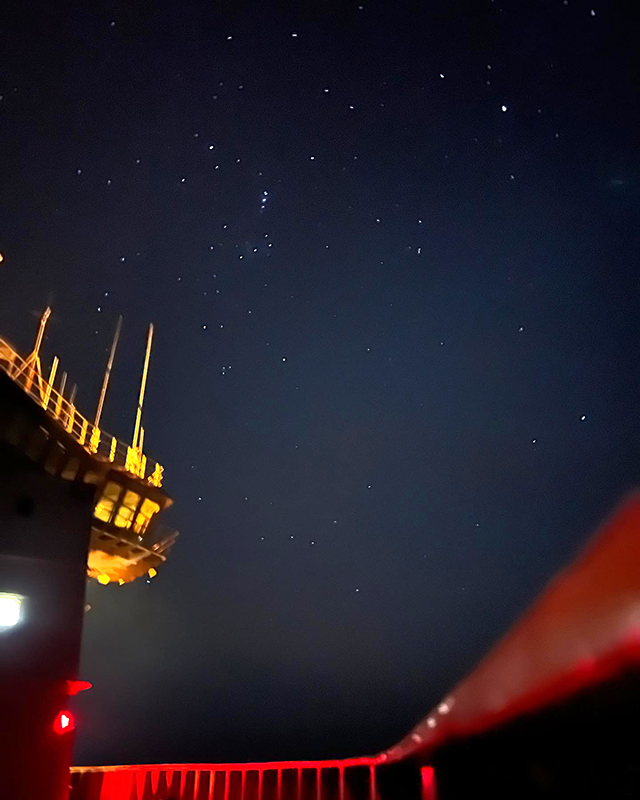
{"x":390,"y":250}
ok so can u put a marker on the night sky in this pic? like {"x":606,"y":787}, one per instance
{"x":391,"y":253}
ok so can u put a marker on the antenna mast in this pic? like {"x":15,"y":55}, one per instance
{"x":136,"y":430}
{"x":107,"y":374}
{"x":32,"y":362}
{"x":35,"y":355}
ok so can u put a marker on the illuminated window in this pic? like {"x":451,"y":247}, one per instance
{"x":110,"y":496}
{"x":127,"y":510}
{"x":147,"y":510}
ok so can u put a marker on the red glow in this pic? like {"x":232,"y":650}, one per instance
{"x":142,"y":780}
{"x":428,"y":783}
{"x":583,"y":675}
{"x":64,"y":722}
{"x":74,"y":687}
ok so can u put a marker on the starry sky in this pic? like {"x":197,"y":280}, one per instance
{"x":391,"y":253}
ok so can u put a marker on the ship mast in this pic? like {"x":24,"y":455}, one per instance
{"x":136,"y":430}
{"x":32,"y":362}
{"x":107,"y":374}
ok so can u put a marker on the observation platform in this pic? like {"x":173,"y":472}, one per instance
{"x":126,"y":541}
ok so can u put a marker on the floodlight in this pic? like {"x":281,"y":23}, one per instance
{"x":10,"y":609}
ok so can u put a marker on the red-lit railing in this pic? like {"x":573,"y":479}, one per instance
{"x":349,"y":779}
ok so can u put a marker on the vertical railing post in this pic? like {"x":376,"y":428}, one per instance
{"x":83,"y":431}
{"x":212,"y":783}
{"x":52,"y":377}
{"x":60,"y":397}
{"x":94,"y":440}
{"x":373,"y":791}
{"x":227,"y":780}
{"x":72,"y":407}
{"x":196,"y":785}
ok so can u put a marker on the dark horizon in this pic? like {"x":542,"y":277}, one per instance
{"x":390,"y":253}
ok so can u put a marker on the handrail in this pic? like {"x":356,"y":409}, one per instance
{"x":86,"y":434}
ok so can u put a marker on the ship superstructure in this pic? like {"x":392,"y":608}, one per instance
{"x":126,"y":541}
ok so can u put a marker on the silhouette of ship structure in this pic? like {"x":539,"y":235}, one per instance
{"x":126,"y":540}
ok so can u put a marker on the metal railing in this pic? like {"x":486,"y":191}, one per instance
{"x":349,"y":779}
{"x":63,"y":411}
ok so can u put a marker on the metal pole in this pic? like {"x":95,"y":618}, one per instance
{"x":39,"y":337}
{"x":52,"y":377}
{"x":33,"y":360}
{"x":60,"y":399}
{"x":136,"y":430}
{"x":107,"y":374}
{"x":71,"y":413}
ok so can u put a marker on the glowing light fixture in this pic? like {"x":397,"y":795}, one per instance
{"x":10,"y":609}
{"x":64,"y":722}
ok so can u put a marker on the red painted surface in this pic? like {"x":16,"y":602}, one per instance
{"x":34,"y":755}
{"x":585,"y":674}
{"x":75,"y":687}
{"x":582,"y":630}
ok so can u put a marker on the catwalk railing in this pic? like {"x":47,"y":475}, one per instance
{"x":352,"y":779}
{"x":90,"y":436}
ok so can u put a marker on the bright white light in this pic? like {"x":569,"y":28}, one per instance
{"x":446,"y":706}
{"x":10,"y":608}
